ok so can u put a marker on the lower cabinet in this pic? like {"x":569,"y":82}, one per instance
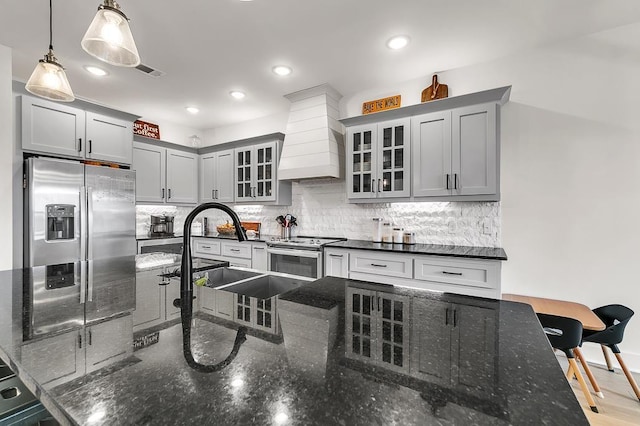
{"x":377,"y":328}
{"x":61,"y":358}
{"x":455,"y":346}
{"x":154,"y":299}
{"x":336,"y":263}
{"x":259,"y":256}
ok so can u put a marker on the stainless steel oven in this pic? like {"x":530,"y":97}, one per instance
{"x":302,"y":256}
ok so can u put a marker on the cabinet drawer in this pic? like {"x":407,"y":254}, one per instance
{"x":468,"y":272}
{"x":381,"y":264}
{"x":206,"y":246}
{"x":236,"y":250}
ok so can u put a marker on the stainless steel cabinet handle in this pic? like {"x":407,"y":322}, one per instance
{"x":258,"y":248}
{"x":448,"y":175}
{"x":335,"y":255}
{"x":216,"y":194}
{"x":455,"y":317}
{"x":446,"y":317}
{"x":236,"y":250}
{"x":452,"y":273}
{"x":378,"y":265}
{"x":90,"y":146}
{"x":206,"y":247}
{"x":89,"y":224}
{"x":378,"y":303}
{"x":79,"y":144}
{"x":455,"y":181}
{"x":379,"y":185}
{"x":90,"y":338}
{"x":213,"y":196}
{"x":373,"y":185}
{"x":169,"y":194}
{"x":163,"y":193}
{"x":79,"y":341}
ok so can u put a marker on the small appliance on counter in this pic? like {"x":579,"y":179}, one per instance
{"x":161,"y":226}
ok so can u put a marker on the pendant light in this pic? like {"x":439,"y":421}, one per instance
{"x":109,"y":37}
{"x":48,"y":80}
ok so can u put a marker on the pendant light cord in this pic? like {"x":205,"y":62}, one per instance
{"x":50,"y":25}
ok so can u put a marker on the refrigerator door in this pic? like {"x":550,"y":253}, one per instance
{"x":53,"y":212}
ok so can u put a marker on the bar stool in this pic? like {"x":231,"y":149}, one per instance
{"x":565,"y":334}
{"x":615,"y":317}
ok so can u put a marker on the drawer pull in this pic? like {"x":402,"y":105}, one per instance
{"x":335,"y":255}
{"x":236,"y":250}
{"x":452,"y":273}
{"x":206,"y":247}
{"x":258,"y":248}
{"x":378,"y":265}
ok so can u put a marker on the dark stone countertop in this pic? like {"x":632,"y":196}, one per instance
{"x":352,"y":353}
{"x":492,"y":253}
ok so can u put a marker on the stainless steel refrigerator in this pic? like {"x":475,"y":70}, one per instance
{"x":80,"y":222}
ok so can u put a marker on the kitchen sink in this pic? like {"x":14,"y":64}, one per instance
{"x":223,"y":276}
{"x":266,"y":286}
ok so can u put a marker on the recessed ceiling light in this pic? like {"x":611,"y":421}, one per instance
{"x":282,"y":70}
{"x":193,"y":110}
{"x":236,"y":93}
{"x":95,"y":70}
{"x":397,"y":42}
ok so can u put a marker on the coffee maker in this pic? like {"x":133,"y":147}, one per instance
{"x":161,"y":226}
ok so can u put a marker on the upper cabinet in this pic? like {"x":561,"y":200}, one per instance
{"x":256,"y":179}
{"x":379,"y":155}
{"x":165,"y":175}
{"x":443,"y":150}
{"x":216,"y":176}
{"x":54,"y":128}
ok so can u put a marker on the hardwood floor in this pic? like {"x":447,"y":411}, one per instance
{"x":619,"y":406}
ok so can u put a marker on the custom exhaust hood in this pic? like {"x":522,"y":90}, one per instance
{"x":314,"y":140}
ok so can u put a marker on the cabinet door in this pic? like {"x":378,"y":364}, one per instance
{"x":207,"y":177}
{"x":360,"y":324}
{"x":265,"y":315}
{"x":149,"y":299}
{"x":361,"y":161}
{"x":336,"y":263}
{"x":52,"y":128}
{"x":265,"y":171}
{"x":224,"y":304}
{"x":149,"y":164}
{"x":172,"y":293}
{"x":243,"y":309}
{"x":393,"y":161}
{"x":475,"y":328}
{"x":243,"y":175}
{"x":108,"y":138}
{"x":431,"y":342}
{"x":431,"y":145}
{"x":207,"y":300}
{"x":109,"y":342}
{"x":259,"y":257}
{"x":55,"y":360}
{"x":393,"y":331}
{"x":182,"y":177}
{"x":474,"y":147}
{"x":224,"y":177}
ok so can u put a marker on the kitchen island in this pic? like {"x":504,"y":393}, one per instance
{"x":353,"y":352}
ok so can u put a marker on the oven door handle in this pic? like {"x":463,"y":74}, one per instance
{"x":298,"y":253}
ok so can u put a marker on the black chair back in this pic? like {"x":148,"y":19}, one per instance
{"x":563,"y":333}
{"x":615,"y":318}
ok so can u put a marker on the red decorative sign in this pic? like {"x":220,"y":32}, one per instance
{"x":148,"y":130}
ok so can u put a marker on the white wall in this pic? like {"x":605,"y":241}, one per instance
{"x":6,"y":160}
{"x":260,"y":126}
{"x":175,"y":133}
{"x":570,"y":169}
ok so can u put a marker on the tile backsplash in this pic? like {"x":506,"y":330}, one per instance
{"x":322,"y":209}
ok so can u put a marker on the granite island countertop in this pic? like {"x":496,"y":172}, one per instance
{"x":353,"y":353}
{"x":491,"y":253}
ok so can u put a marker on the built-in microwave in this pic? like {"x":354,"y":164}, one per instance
{"x":303,"y":263}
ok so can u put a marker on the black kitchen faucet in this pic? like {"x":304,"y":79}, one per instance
{"x":186,"y":290}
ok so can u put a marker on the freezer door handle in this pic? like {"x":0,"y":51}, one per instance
{"x":90,"y":281}
{"x":83,"y":282}
{"x":83,"y":222}
{"x":89,"y":223}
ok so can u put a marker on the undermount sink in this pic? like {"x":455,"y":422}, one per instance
{"x":266,"y":286}
{"x":223,"y":276}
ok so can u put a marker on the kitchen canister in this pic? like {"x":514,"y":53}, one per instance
{"x":387,"y":233}
{"x":397,"y":235}
{"x":376,"y":236}
{"x":409,"y":238}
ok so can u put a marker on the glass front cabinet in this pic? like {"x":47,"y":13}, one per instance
{"x":255,"y":173}
{"x":378,"y":160}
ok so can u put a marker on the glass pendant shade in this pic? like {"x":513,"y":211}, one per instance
{"x":49,"y":81}
{"x":109,"y":37}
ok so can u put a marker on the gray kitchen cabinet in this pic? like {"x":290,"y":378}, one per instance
{"x":165,"y":175}
{"x":256,"y":313}
{"x":259,"y":256}
{"x":440,"y":347}
{"x":216,"y":177}
{"x":215,"y":302}
{"x":336,"y":263}
{"x":256,"y":175}
{"x":172,"y":292}
{"x":378,"y":160}
{"x":377,"y":328}
{"x":208,"y":248}
{"x":149,"y":299}
{"x":108,"y":342}
{"x":53,"y":128}
{"x":455,"y":153}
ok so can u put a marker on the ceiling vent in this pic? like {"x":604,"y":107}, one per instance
{"x":150,"y":71}
{"x":314,"y":140}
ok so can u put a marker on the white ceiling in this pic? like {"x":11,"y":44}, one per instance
{"x":208,"y":48}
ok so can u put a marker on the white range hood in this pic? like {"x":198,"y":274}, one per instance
{"x":314,"y":140}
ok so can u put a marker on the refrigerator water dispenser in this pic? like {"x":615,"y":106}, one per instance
{"x":60,"y":220}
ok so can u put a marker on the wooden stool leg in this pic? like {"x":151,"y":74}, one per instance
{"x":627,"y":373}
{"x":606,"y":358}
{"x":570,"y":374}
{"x":583,"y":385}
{"x":587,"y":370}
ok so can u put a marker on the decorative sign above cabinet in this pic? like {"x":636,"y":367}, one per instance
{"x":148,"y":130}
{"x":381,"y":104}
